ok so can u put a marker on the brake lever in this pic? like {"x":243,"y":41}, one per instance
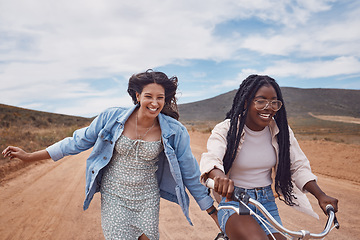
{"x":242,"y":197}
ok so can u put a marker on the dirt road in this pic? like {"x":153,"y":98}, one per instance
{"x":45,"y":200}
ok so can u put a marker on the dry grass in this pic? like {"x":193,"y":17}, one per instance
{"x":32,"y":131}
{"x":30,"y":139}
{"x":310,"y":128}
{"x":200,"y":126}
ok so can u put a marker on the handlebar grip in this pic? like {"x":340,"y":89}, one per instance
{"x":329,"y":208}
{"x":238,"y":194}
{"x":209,"y":183}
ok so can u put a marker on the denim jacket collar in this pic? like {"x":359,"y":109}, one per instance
{"x":166,"y":130}
{"x":124,"y":117}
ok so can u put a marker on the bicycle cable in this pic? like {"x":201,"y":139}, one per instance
{"x":263,"y":221}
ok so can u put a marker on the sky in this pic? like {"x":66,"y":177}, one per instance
{"x":76,"y":57}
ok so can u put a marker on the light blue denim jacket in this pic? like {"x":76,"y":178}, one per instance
{"x":177,"y":167}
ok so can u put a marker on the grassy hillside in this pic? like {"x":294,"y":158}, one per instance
{"x":335,"y":102}
{"x":299,"y":102}
{"x":32,"y":130}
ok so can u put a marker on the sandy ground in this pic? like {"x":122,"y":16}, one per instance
{"x":44,"y":201}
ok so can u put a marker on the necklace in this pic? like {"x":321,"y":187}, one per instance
{"x":138,"y":136}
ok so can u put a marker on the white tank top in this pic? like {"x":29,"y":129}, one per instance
{"x":253,"y":163}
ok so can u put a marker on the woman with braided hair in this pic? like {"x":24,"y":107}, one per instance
{"x":250,"y":147}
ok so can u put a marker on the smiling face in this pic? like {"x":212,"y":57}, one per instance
{"x":151,"y":99}
{"x":257,"y":120}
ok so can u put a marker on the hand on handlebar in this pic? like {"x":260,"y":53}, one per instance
{"x":323,"y":198}
{"x":326,"y":200}
{"x":224,"y":187}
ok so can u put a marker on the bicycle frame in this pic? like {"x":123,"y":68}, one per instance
{"x":243,"y":198}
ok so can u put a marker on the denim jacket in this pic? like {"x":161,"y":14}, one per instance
{"x":177,"y":166}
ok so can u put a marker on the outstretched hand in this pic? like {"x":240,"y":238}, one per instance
{"x":15,"y":152}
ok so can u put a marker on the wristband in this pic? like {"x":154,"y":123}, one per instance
{"x":212,"y":211}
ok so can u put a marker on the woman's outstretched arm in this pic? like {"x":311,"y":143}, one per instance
{"x":16,"y":152}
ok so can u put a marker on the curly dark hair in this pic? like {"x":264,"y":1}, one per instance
{"x":137,"y":82}
{"x":237,"y":116}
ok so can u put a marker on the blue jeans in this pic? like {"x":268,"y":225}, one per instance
{"x":263,"y":195}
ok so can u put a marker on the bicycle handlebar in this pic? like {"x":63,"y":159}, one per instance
{"x":241,"y":196}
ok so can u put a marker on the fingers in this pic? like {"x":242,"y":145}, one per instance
{"x":334,"y":203}
{"x":10,"y":152}
{"x":329,"y":200}
{"x":336,"y":207}
{"x":224,"y":187}
{"x":5,"y":150}
{"x":230,"y":191}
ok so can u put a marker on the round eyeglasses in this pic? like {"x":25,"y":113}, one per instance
{"x":261,"y":104}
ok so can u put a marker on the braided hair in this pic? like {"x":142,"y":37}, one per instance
{"x":237,"y":116}
{"x":137,"y":82}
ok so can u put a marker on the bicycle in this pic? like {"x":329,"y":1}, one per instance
{"x":244,"y":199}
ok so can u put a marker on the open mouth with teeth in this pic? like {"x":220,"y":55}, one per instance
{"x":152,"y":109}
{"x":265,"y":116}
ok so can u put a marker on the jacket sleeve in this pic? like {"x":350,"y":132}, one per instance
{"x":190,"y":172}
{"x":300,"y":165}
{"x":81,"y":140}
{"x":216,"y":148}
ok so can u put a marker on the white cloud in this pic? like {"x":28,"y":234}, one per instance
{"x":231,"y":84}
{"x":334,"y":39}
{"x":90,"y":107}
{"x":315,"y":69}
{"x":275,"y":45}
{"x":316,"y":37}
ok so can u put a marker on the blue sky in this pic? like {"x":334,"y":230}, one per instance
{"x":75,"y":57}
